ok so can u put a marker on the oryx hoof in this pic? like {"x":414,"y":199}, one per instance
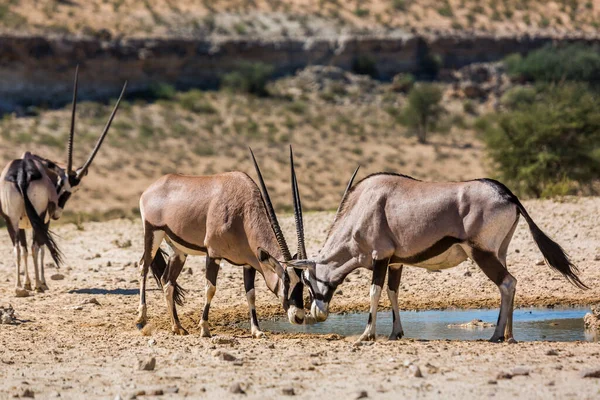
{"x":204,"y":331}
{"x":366,"y":337}
{"x":258,"y":334}
{"x":178,"y":330}
{"x":396,"y":336}
{"x":44,"y":286}
{"x":140,"y":325}
{"x":39,"y":289}
{"x":497,"y":339}
{"x":27,"y":286}
{"x":511,"y":340}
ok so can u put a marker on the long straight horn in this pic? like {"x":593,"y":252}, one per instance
{"x":271,"y":212}
{"x":72,"y":133}
{"x":81,"y":172}
{"x":297,"y":211}
{"x":348,"y":187}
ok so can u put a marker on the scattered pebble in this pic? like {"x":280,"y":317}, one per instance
{"x":540,"y":262}
{"x":221,"y":340}
{"x":91,"y":301}
{"x":591,"y":373}
{"x":19,"y":292}
{"x":552,"y":352}
{"x":415,"y":371}
{"x":7,"y":315}
{"x":492,"y":382}
{"x":520,"y":371}
{"x":504,"y":375}
{"x":152,"y":342}
{"x":147,"y":364}
{"x":189,"y":271}
{"x":223,"y":355}
{"x":288,"y":391}
{"x":57,"y":277}
{"x":362,"y":394}
{"x":28,"y":393}
{"x":236,"y":388}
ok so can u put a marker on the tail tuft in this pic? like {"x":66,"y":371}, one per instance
{"x":158,"y":267}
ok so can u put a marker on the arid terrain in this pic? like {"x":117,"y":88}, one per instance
{"x":69,"y":347}
{"x":244,"y":18}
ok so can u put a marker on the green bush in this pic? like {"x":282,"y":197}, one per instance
{"x":249,"y":78}
{"x":195,"y":101}
{"x":548,"y":146}
{"x":576,"y":62}
{"x":517,"y":97}
{"x":423,"y":109}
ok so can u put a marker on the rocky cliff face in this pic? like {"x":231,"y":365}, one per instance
{"x":39,"y":70}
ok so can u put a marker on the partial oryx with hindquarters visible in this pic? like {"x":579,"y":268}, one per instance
{"x":34,"y":190}
{"x":223,"y":217}
{"x":388,"y":220}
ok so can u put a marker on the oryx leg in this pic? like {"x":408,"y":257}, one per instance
{"x":13,"y":233}
{"x":169,"y":278}
{"x":41,"y":253}
{"x":508,"y":332}
{"x":394,"y":275}
{"x":379,"y":271}
{"x":24,"y":255}
{"x":35,"y":250}
{"x":493,"y":268}
{"x":212,"y":271}
{"x":152,"y":241}
{"x":249,"y":275}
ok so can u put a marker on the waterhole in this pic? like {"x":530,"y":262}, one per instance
{"x":529,"y":324}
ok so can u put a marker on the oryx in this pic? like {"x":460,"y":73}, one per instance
{"x":34,"y":190}
{"x":389,"y":220}
{"x":223,"y":217}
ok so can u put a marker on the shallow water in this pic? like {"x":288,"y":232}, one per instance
{"x":530,"y":324}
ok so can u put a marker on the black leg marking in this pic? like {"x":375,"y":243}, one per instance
{"x":494,"y":270}
{"x":379,"y":271}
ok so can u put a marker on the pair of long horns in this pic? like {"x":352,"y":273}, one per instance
{"x":287,"y":256}
{"x":81,"y":172}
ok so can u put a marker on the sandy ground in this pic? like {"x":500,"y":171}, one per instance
{"x":93,"y":351}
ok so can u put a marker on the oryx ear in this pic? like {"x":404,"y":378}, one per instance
{"x":270,"y":262}
{"x":301,"y":264}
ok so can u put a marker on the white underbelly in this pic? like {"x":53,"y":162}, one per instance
{"x":183,"y":249}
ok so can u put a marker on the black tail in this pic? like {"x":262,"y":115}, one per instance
{"x":553,"y":253}
{"x":42,"y":234}
{"x":158,"y":267}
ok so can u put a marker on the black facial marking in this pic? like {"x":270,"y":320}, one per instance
{"x":435,"y":250}
{"x":62,"y":200}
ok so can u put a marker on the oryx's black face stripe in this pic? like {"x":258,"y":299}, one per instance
{"x":329,"y":291}
{"x":435,"y":250}
{"x":62,"y":200}
{"x":297,"y":296}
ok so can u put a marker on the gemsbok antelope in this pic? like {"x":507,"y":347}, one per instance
{"x":34,"y":190}
{"x":389,"y":220}
{"x":223,"y":217}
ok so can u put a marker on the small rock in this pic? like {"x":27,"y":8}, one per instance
{"x":223,"y":340}
{"x":28,"y":393}
{"x":7,"y":315}
{"x":504,"y":375}
{"x":223,"y":355}
{"x":551,"y":383}
{"x":147,"y":364}
{"x":492,"y":382}
{"x":152,"y":342}
{"x":189,"y":271}
{"x":236,"y":388}
{"x":171,"y":389}
{"x":591,"y":373}
{"x":468,"y":273}
{"x":540,"y":262}
{"x":91,"y":301}
{"x":520,"y":371}
{"x":271,"y":346}
{"x":415,"y":371}
{"x":552,"y":352}
{"x":19,"y":292}
{"x":57,"y":277}
{"x":288,"y":391}
{"x":597,"y":257}
{"x":362,"y":394}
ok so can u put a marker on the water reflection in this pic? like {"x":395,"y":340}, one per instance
{"x":530,"y":324}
